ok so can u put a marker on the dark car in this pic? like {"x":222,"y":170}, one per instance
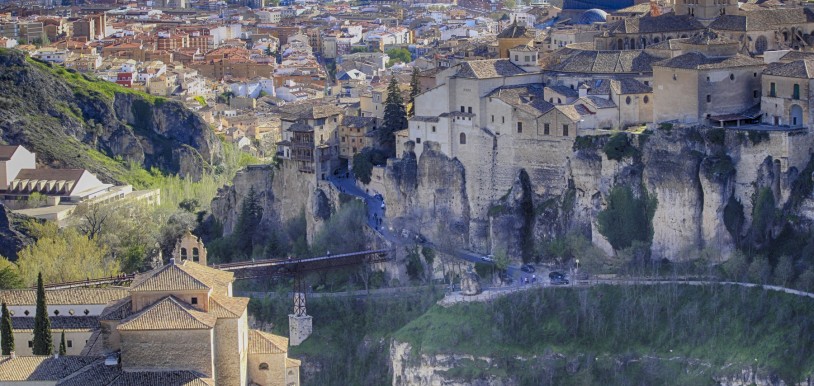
{"x":378,"y":196}
{"x":527,"y":268}
{"x":557,"y":278}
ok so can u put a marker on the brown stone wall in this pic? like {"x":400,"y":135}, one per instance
{"x":170,"y":350}
{"x":228,"y":352}
{"x":274,"y":375}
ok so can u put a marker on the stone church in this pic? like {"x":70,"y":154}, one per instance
{"x":175,"y":325}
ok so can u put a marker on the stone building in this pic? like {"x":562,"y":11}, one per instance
{"x":311,"y":137}
{"x":513,"y":36}
{"x":787,"y":98}
{"x":176,"y":325}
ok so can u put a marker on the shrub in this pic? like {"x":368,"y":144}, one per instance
{"x":362,"y":167}
{"x":716,"y":136}
{"x":627,"y":218}
{"x":619,"y":147}
{"x":733,"y":218}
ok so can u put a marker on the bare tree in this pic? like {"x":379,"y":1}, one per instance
{"x":93,"y":218}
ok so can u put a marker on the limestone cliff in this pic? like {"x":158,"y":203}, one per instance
{"x":13,"y":235}
{"x":72,"y":120}
{"x":693,"y":173}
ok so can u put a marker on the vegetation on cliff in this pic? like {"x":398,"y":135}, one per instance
{"x":727,"y":327}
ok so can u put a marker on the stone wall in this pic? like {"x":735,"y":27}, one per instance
{"x":170,"y":350}
{"x":230,"y":357}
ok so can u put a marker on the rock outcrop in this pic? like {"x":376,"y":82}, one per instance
{"x":13,"y":236}
{"x":74,"y":121}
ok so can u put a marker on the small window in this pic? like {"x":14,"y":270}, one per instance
{"x":183,"y":253}
{"x":645,"y":99}
{"x":26,"y":313}
{"x":519,"y":127}
{"x":433,"y":129}
{"x":194,"y":300}
{"x":87,"y":311}
{"x":755,"y":75}
{"x":463,"y":109}
{"x":418,"y":140}
{"x":30,"y":343}
{"x":469,"y":109}
{"x":56,"y":312}
{"x":462,"y":139}
{"x":493,"y":118}
{"x":70,"y":343}
{"x":707,"y":79}
{"x":796,"y":93}
{"x":264,"y":366}
{"x":564,"y":130}
{"x":627,"y":100}
{"x":709,"y":98}
{"x":526,"y":58}
{"x":755,"y":94}
{"x":343,"y":139}
{"x":559,"y":100}
{"x":546,"y":129}
{"x":195,"y":254}
{"x":504,"y":119}
{"x":516,"y":58}
{"x":675,"y":77}
{"x":731,"y":76}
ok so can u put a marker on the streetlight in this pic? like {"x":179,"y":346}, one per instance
{"x":576,"y":271}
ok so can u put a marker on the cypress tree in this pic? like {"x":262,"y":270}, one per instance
{"x":62,"y":349}
{"x":395,"y":117}
{"x":415,"y":89}
{"x":6,"y":333}
{"x":43,"y":341}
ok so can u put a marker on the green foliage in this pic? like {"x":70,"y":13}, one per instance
{"x":429,"y":255}
{"x":415,"y":86}
{"x":43,"y":341}
{"x":757,"y":137}
{"x":9,"y":275}
{"x":189,"y":204}
{"x":627,"y":218}
{"x":716,"y":136}
{"x":718,"y":167}
{"x":395,"y":117}
{"x":734,"y":218}
{"x":802,"y":186}
{"x":358,"y":49}
{"x":725,"y":326}
{"x":496,"y":210}
{"x":63,"y":350}
{"x":586,"y":142}
{"x":414,"y":267}
{"x":666,"y":126}
{"x":501,"y":260}
{"x":764,"y":215}
{"x":399,"y":55}
{"x":619,"y":147}
{"x":341,"y":233}
{"x":201,"y":101}
{"x":362,"y":167}
{"x":6,"y":331}
{"x":247,"y":221}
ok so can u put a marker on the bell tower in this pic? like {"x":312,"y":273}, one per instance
{"x":190,"y":247}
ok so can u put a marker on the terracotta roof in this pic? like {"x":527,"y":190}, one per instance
{"x":515,"y":31}
{"x":630,"y":86}
{"x":489,"y":68}
{"x":98,"y":373}
{"x":180,"y":276}
{"x":58,"y":323}
{"x":265,"y":343}
{"x":291,"y":362}
{"x":6,"y":152}
{"x":605,"y":62}
{"x":666,"y":23}
{"x":169,"y":313}
{"x":527,"y":98}
{"x":763,"y":19}
{"x":300,"y":127}
{"x":797,"y":69}
{"x":699,"y":61}
{"x":227,"y":306}
{"x":117,"y":311}
{"x":40,"y":368}
{"x":71,"y":296}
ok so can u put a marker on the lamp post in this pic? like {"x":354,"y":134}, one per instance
{"x":576,"y":271}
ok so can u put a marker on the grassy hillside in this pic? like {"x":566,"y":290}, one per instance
{"x":697,"y":332}
{"x":73,"y":120}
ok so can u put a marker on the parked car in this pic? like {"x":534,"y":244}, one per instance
{"x":527,"y":268}
{"x":488,"y":259}
{"x":378,"y":196}
{"x":557,"y":278}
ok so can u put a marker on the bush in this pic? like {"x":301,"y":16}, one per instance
{"x":716,"y":136}
{"x":362,"y":166}
{"x":733,"y":218}
{"x":618,"y":147}
{"x":627,"y":218}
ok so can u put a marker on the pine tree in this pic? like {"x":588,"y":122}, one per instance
{"x":43,"y":341}
{"x":415,"y":89}
{"x":6,"y":333}
{"x":247,"y":221}
{"x":62,"y":348}
{"x":395,"y":117}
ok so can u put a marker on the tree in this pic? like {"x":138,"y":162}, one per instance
{"x":395,"y":117}
{"x":6,"y":332}
{"x":362,"y":167}
{"x":93,"y":218}
{"x":509,"y":4}
{"x":627,"y":218}
{"x":43,"y":341}
{"x":189,"y":204}
{"x":784,"y":271}
{"x":247,"y":221}
{"x":415,"y":89}
{"x":63,"y":255}
{"x":399,"y":55}
{"x":62,"y":348}
{"x":9,"y":275}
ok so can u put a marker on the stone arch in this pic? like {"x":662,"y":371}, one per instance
{"x":761,"y":44}
{"x":196,"y":254}
{"x":796,"y":115}
{"x":620,"y":44}
{"x":183,"y":253}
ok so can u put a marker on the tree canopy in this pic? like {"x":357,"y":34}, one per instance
{"x":43,"y":341}
{"x":395,"y":117}
{"x":399,"y":55}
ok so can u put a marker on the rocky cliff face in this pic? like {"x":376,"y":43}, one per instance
{"x":13,"y":236}
{"x":693,"y":173}
{"x":64,"y":117}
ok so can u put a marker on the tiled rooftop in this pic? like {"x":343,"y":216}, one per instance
{"x":58,"y":323}
{"x":696,"y":60}
{"x":605,"y":62}
{"x":169,"y":314}
{"x":40,"y":368}
{"x":266,"y":343}
{"x":71,"y":296}
{"x":489,"y":68}
{"x":803,"y":68}
{"x":182,"y":275}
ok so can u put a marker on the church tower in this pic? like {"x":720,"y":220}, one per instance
{"x":706,"y":9}
{"x":190,"y":247}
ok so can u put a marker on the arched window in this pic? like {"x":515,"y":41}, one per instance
{"x":195,"y":254}
{"x":183,"y":253}
{"x":646,"y":99}
{"x":264,"y":366}
{"x":463,"y":139}
{"x":761,"y":44}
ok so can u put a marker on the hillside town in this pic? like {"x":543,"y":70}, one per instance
{"x":469,"y":127}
